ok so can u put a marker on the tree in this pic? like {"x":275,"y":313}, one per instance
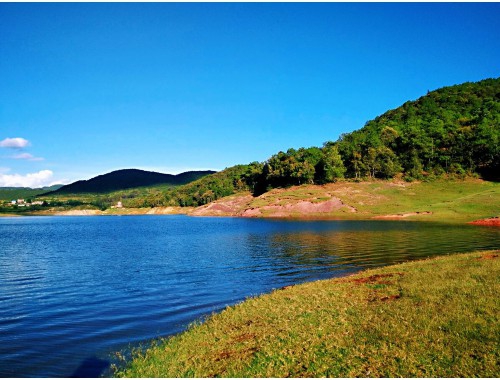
{"x":389,"y":136}
{"x":387,"y":163}
{"x":382,"y":162}
{"x":331,"y":167}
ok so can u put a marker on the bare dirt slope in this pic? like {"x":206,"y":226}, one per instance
{"x":460,"y":201}
{"x":297,"y":201}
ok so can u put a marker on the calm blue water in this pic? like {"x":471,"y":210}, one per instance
{"x":74,"y":290}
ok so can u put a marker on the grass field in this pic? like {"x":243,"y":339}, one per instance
{"x":431,"y":318}
{"x":440,"y":200}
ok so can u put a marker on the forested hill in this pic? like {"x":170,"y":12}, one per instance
{"x":453,"y":131}
{"x":10,"y":193}
{"x":128,"y":178}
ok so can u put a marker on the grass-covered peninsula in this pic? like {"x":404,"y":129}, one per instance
{"x":434,"y":318}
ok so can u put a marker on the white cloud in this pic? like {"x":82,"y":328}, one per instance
{"x":26,"y":156}
{"x":40,"y":179}
{"x":14,"y":143}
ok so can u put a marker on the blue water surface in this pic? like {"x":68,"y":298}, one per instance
{"x":75,"y":290}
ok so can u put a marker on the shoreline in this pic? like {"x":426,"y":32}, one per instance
{"x":472,"y":201}
{"x":190,"y":211}
{"x":488,"y":221}
{"x":361,"y":325}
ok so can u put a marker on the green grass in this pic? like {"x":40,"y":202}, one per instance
{"x":10,"y":193}
{"x":446,"y":200}
{"x":431,"y":318}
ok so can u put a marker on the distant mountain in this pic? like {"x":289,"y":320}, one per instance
{"x":10,"y":193}
{"x":126,"y":179}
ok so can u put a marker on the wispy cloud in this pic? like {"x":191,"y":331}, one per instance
{"x":26,"y":156}
{"x":14,"y":143}
{"x":39,"y":179}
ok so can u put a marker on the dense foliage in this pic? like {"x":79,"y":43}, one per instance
{"x":10,"y":193}
{"x":207,"y":189}
{"x":451,"y":131}
{"x":295,"y":167}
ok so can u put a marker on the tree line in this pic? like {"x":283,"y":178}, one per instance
{"x":453,"y":131}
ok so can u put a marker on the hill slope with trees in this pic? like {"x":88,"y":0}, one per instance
{"x":10,"y":193}
{"x":452,"y":131}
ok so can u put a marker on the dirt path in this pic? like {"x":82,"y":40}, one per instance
{"x":401,"y":216}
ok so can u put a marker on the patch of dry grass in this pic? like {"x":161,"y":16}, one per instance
{"x":431,"y":318}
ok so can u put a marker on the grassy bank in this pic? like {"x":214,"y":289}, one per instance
{"x":451,"y":201}
{"x":432,"y":318}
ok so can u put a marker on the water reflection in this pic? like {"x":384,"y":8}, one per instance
{"x":358,"y":245}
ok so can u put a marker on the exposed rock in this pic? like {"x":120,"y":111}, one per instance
{"x":281,"y":207}
{"x":166,"y":211}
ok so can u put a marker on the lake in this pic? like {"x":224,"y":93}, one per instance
{"x":75,"y":290}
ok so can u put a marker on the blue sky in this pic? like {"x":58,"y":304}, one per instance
{"x":88,"y":88}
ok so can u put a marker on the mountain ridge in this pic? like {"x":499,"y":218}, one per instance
{"x":15,"y":192}
{"x":126,"y":179}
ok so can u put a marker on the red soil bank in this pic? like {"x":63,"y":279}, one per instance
{"x":495,"y":221}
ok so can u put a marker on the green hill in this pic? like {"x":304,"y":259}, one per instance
{"x":127,"y":179}
{"x":451,"y":132}
{"x":10,"y":193}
